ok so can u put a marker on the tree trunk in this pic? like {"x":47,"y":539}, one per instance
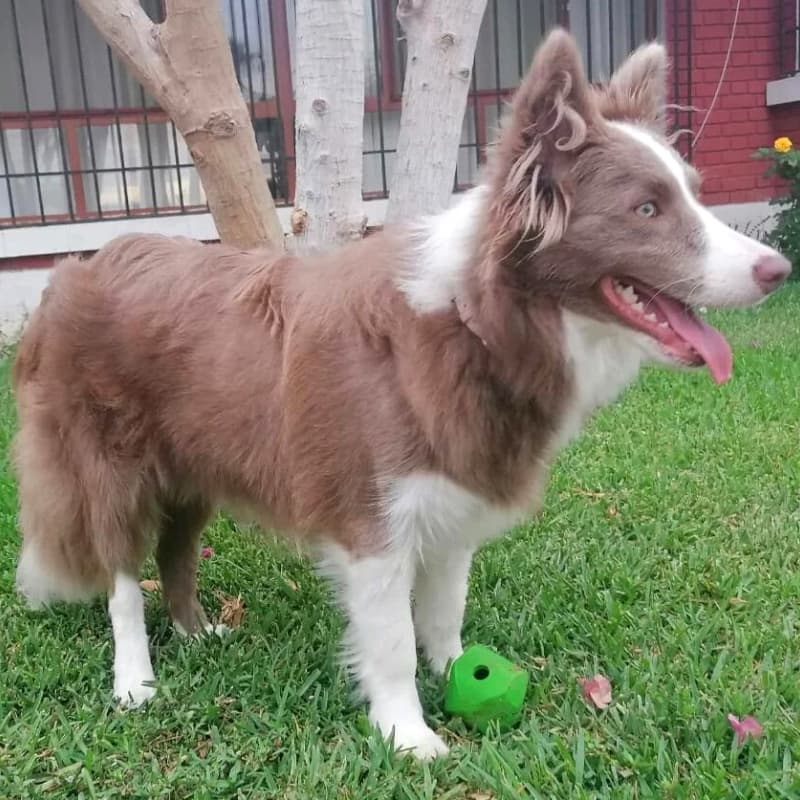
{"x":329,"y":121}
{"x":186,"y":65}
{"x":441,"y":36}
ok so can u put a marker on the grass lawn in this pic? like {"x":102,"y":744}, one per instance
{"x":668,"y":558}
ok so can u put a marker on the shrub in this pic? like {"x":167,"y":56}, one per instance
{"x":785,"y":163}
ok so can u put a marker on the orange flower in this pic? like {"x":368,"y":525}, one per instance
{"x":783,"y":144}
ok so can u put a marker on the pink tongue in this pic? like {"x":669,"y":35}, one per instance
{"x":707,"y":341}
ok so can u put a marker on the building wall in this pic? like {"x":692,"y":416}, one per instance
{"x":740,"y":122}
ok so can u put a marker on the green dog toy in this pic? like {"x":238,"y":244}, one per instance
{"x":484,"y":687}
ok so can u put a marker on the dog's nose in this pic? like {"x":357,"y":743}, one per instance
{"x":771,"y":271}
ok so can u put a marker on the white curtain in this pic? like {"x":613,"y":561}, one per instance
{"x":142,"y":146}
{"x":27,"y":151}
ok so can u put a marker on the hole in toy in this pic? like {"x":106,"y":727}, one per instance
{"x":481,"y":673}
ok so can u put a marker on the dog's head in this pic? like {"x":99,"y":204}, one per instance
{"x":592,"y":207}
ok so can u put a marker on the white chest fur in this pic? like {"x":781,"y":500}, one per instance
{"x":603,"y":359}
{"x":427,"y":511}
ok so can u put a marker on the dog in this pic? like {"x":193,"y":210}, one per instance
{"x":393,"y":404}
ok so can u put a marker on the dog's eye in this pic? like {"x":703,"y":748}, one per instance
{"x":649,"y":209}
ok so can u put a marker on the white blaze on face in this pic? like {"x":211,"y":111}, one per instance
{"x":727,"y":277}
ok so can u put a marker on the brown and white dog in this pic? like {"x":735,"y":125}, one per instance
{"x":395,"y":403}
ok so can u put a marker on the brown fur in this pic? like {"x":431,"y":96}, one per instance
{"x":161,"y":375}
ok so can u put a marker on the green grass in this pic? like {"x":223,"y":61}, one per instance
{"x":668,"y":558}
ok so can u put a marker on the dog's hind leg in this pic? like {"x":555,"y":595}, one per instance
{"x":176,"y":555}
{"x":84,"y":532}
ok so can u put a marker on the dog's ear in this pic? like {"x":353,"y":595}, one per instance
{"x":637,"y":91}
{"x":552,"y":112}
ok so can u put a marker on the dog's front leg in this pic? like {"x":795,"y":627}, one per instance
{"x":440,"y":595}
{"x":133,"y":671}
{"x":380,"y":647}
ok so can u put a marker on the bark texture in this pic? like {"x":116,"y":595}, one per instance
{"x":329,"y":122}
{"x":186,"y":65}
{"x":441,"y":36}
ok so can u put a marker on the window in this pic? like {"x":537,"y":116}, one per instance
{"x":80,"y":139}
{"x":789,"y":37}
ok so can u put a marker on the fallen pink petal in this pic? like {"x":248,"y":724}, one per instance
{"x":207,"y":552}
{"x":748,"y":726}
{"x":597,"y":691}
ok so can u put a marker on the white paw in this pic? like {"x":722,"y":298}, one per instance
{"x":208,"y":630}
{"x":411,"y":735}
{"x":419,"y":741}
{"x":440,"y":658}
{"x":34,"y":603}
{"x":132,"y":694}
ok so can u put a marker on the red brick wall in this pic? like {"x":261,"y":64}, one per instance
{"x":740,"y":121}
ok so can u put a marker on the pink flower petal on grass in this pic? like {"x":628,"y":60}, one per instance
{"x":748,"y":726}
{"x":597,"y":691}
{"x":207,"y":552}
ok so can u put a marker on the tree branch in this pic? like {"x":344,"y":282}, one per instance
{"x":130,"y":32}
{"x":186,"y":65}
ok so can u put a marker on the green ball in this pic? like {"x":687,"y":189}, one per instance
{"x":484,"y":687}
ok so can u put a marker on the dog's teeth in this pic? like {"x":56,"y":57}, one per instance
{"x":652,"y":317}
{"x":638,"y":306}
{"x":628,"y":295}
{"x":663,"y":325}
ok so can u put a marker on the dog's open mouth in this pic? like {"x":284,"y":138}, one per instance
{"x":682,"y":335}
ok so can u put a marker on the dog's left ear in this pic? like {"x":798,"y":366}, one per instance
{"x":552,"y":114}
{"x":637,"y":91}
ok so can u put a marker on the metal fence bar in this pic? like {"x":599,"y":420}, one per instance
{"x":233,"y":40}
{"x":676,"y":78}
{"x":261,"y":60}
{"x":688,"y":68}
{"x":26,"y":100}
{"x":781,"y":9}
{"x":177,"y":153}
{"x":610,"y":37}
{"x":379,"y":89}
{"x":542,"y":19}
{"x":119,"y":128}
{"x":248,"y":59}
{"x":796,"y":64}
{"x":278,"y":27}
{"x":85,"y":98}
{"x":148,"y":148}
{"x":496,"y":41}
{"x":57,"y":109}
{"x":632,"y":25}
{"x":4,"y":153}
{"x":589,"y":69}
{"x":479,"y":155}
{"x":276,"y":165}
